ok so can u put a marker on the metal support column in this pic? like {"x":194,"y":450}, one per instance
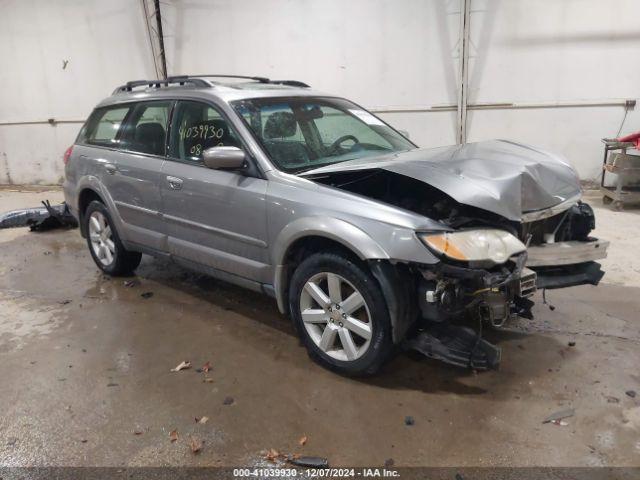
{"x":156,"y":38}
{"x":463,"y":48}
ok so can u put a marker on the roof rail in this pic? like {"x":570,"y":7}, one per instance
{"x":245,"y":77}
{"x":197,"y":81}
{"x":180,"y":80}
{"x":290,"y":83}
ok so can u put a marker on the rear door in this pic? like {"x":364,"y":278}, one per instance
{"x":214,"y":218}
{"x":136,"y":174}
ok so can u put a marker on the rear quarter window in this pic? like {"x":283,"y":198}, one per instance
{"x":104,"y":126}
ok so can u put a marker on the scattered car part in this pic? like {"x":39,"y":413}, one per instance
{"x":566,"y":413}
{"x":40,"y":219}
{"x":456,"y":345}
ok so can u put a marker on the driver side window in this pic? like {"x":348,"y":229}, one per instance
{"x":196,"y":127}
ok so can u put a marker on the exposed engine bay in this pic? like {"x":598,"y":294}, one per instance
{"x":410,"y":194}
{"x":453,"y":294}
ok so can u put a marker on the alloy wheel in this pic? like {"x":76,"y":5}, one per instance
{"x":336,"y":316}
{"x":101,"y":238}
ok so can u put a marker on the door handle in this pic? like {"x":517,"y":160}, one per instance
{"x":110,"y":168}
{"x":175,"y":183}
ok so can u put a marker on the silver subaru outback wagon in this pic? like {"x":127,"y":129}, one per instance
{"x":369,"y":243}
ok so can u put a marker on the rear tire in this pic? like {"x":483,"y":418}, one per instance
{"x":104,"y":242}
{"x":340,"y":313}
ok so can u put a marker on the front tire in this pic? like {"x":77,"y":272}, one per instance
{"x":340,"y":314}
{"x":104,"y":243}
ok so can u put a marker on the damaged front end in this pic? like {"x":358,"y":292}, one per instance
{"x":452,"y":297}
{"x":527,"y":199}
{"x":557,"y":252}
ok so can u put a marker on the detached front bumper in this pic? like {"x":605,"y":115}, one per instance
{"x":567,"y":264}
{"x":566,"y":253}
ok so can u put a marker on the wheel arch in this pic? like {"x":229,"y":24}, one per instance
{"x":86,"y":196}
{"x":313,"y":234}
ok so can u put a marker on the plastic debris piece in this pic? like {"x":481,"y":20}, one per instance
{"x":183,"y":366}
{"x":566,"y":413}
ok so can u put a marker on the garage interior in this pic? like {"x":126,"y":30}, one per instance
{"x":86,"y":358}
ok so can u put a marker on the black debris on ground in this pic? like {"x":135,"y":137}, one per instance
{"x":228,"y":401}
{"x":39,"y":219}
{"x":146,"y":294}
{"x":631,"y":393}
{"x":408,"y":420}
{"x":311,"y":462}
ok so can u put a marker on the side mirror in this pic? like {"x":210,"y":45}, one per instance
{"x":224,"y":158}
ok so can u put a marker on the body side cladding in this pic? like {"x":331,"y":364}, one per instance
{"x":398,"y":286}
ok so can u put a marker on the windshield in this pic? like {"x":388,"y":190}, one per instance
{"x":303,"y":133}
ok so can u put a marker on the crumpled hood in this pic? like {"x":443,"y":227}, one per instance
{"x":500,"y":176}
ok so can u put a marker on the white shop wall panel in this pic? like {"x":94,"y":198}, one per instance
{"x":554,"y":50}
{"x":380,"y":53}
{"x":105,"y":44}
{"x":550,"y":51}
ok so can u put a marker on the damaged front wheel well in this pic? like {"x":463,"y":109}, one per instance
{"x":395,"y":280}
{"x":302,"y":248}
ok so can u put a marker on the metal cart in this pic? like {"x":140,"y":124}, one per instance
{"x":627,"y":169}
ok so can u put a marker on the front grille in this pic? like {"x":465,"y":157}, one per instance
{"x":527,"y":283}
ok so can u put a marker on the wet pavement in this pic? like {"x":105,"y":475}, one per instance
{"x":85,"y":365}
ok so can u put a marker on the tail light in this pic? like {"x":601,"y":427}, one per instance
{"x":67,"y":154}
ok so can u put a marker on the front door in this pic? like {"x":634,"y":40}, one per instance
{"x":214,"y":218}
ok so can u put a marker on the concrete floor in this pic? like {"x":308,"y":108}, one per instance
{"x":85,"y":365}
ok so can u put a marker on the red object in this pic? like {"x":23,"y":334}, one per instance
{"x":633,"y":137}
{"x":67,"y":154}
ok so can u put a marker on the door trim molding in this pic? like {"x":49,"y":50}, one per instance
{"x":137,"y":208}
{"x":219,"y":231}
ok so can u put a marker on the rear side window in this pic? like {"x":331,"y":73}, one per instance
{"x":103,"y":126}
{"x":146,"y":128}
{"x":197,"y":127}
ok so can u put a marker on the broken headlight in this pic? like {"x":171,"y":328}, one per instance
{"x":482,"y":245}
